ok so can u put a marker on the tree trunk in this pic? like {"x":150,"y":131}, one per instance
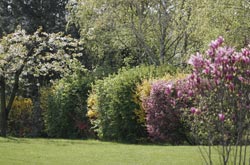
{"x":3,"y":109}
{"x":6,"y":109}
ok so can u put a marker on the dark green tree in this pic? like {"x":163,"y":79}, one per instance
{"x":31,"y":14}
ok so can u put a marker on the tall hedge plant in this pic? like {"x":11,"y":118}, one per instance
{"x":65,"y":107}
{"x":114,"y":104}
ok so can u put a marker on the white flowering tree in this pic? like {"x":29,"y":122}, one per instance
{"x":40,"y":54}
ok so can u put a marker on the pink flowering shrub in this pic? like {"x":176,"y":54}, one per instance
{"x":164,"y":108}
{"x":213,"y":101}
{"x":162,"y":118}
{"x":224,"y":106}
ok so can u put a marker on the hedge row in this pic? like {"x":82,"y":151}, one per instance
{"x":65,"y":107}
{"x":210,"y":105}
{"x":112,"y":104}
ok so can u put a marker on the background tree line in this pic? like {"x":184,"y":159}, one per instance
{"x":115,"y":34}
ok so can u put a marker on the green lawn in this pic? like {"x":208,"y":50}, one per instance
{"x":88,"y":152}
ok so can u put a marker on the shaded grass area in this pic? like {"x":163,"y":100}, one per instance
{"x":91,"y":152}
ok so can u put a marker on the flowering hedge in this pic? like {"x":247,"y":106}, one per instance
{"x":163,"y":118}
{"x":213,"y":100}
{"x":154,"y":97}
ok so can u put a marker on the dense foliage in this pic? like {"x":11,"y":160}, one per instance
{"x":112,"y":106}
{"x":163,"y":110}
{"x":20,"y":118}
{"x":210,"y":19}
{"x":150,"y":32}
{"x":35,"y":56}
{"x":31,"y":14}
{"x":65,"y":107}
{"x":212,"y":102}
{"x":210,"y":106}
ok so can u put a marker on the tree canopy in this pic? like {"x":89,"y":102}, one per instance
{"x":40,"y":54}
{"x":152,"y":30}
{"x":228,"y":18}
{"x":159,"y":31}
{"x":31,"y":14}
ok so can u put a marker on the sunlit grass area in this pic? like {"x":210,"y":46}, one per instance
{"x":92,"y":152}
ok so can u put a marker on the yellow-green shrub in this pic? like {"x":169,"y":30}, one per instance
{"x":112,"y":103}
{"x":142,"y":91}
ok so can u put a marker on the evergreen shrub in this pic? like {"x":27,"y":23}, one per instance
{"x":114,"y":105}
{"x":65,"y":107}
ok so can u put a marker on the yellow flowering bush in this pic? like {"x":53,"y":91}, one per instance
{"x":20,"y":117}
{"x":142,"y":91}
{"x":92,"y":106}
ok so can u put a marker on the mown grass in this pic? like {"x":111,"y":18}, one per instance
{"x":91,"y":152}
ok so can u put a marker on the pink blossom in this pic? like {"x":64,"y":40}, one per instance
{"x":229,"y":77}
{"x":231,"y":86}
{"x":193,"y":110}
{"x":190,"y":93}
{"x":241,"y":78}
{"x":218,"y":59}
{"x":245,"y":59}
{"x":179,"y":94}
{"x":220,"y":40}
{"x":191,"y":76}
{"x":245,"y":52}
{"x":210,"y":52}
{"x":221,"y":117}
{"x":170,"y":86}
{"x":221,"y":67}
{"x":206,"y":70}
{"x":215,"y":44}
{"x":196,"y":60}
{"x":198,"y":112}
{"x":229,"y":50}
{"x":198,"y":79}
{"x":168,"y":89}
